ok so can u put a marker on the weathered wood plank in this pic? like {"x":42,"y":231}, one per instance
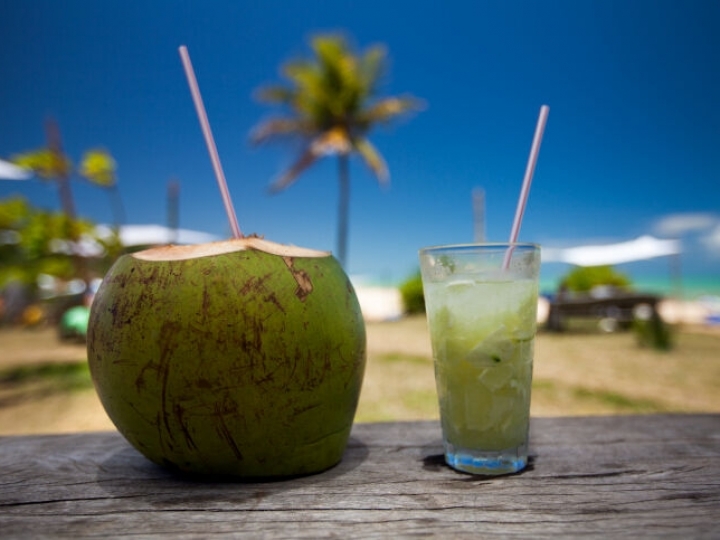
{"x":606,"y":476}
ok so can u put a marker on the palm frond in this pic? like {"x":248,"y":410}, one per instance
{"x":388,"y":109}
{"x":330,"y":49}
{"x":373,"y":66}
{"x":278,"y":127}
{"x":373,"y":159}
{"x":45,"y":163}
{"x":338,"y":77}
{"x":276,"y":95}
{"x":306,"y":159}
{"x":300,"y":73}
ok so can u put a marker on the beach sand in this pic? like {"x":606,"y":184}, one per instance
{"x":578,"y":372}
{"x":687,"y":312}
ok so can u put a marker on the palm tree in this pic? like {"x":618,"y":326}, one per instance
{"x":51,"y":164}
{"x":333,"y":105}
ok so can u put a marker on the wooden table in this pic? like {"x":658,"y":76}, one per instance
{"x":642,"y":476}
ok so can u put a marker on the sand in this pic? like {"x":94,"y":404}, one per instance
{"x":578,"y":372}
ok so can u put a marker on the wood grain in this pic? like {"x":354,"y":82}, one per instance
{"x":642,"y":476}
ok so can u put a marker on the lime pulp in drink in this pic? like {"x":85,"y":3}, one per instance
{"x":483,"y":336}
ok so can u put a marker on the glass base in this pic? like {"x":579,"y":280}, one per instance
{"x":487,"y":463}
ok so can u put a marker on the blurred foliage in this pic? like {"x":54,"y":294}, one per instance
{"x":652,"y":331}
{"x":585,"y":278}
{"x":45,"y":163}
{"x":35,"y":241}
{"x":98,"y":166}
{"x":413,"y":297}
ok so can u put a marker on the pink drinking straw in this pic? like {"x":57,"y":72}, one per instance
{"x":210,"y":141}
{"x":529,"y":171}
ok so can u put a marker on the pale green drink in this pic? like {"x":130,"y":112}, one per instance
{"x":482,"y":321}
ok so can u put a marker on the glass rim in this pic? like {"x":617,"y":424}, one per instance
{"x":480,"y":245}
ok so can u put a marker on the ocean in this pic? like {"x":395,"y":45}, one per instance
{"x":690,"y":287}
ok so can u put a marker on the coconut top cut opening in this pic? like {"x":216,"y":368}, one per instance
{"x":177,"y":253}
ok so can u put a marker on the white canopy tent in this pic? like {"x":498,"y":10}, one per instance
{"x":10,"y":171}
{"x":644,"y":247}
{"x":143,"y":235}
{"x":131,"y":236}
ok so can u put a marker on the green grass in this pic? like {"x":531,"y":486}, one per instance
{"x":421,"y":400}
{"x":396,"y":358}
{"x":617,"y":402}
{"x":56,"y":376}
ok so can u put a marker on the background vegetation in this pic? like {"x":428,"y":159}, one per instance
{"x":585,"y":278}
{"x":411,"y":291}
{"x":41,"y":247}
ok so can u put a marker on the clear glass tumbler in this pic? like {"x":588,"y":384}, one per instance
{"x":481,"y":302}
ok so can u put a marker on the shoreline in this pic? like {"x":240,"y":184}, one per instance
{"x":381,"y":303}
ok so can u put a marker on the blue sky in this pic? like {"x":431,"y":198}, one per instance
{"x":632,"y":144}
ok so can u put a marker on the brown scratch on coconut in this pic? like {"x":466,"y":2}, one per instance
{"x":179,"y":411}
{"x":168,"y":331}
{"x":305,"y":285}
{"x":224,"y":432}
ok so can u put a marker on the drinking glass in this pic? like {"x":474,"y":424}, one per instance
{"x":481,"y":302}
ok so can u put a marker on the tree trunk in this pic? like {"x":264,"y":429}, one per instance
{"x":55,"y":146}
{"x":343,"y":207}
{"x":66,"y":198}
{"x":173,"y":209}
{"x":118,"y":208}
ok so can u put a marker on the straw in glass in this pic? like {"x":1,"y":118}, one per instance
{"x":527,"y":181}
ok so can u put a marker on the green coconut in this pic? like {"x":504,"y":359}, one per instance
{"x":241,"y":357}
